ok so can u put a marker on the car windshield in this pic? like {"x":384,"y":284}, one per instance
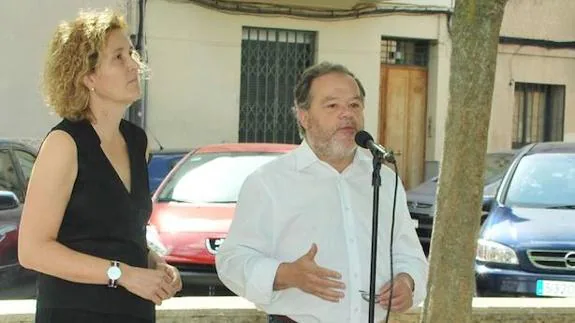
{"x":495,"y":166}
{"x":212,"y":177}
{"x":543,"y":181}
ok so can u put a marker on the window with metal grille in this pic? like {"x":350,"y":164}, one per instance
{"x":404,"y":52}
{"x":272,"y":61}
{"x":538,"y":114}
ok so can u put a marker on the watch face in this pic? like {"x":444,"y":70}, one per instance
{"x":114,"y":273}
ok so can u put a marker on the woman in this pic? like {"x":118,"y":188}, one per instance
{"x":83,"y":226}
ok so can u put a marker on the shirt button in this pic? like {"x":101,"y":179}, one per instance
{"x":356,"y":309}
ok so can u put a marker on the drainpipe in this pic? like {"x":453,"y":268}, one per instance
{"x":135,"y":18}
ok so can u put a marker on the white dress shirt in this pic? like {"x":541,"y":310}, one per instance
{"x":296,"y":200}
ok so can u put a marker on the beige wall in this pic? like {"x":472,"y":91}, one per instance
{"x":533,"y":19}
{"x":25,"y":30}
{"x":195,"y":58}
{"x":438,"y":95}
{"x":540,"y":19}
{"x":529,"y":65}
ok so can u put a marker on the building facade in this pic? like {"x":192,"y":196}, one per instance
{"x":221,"y":74}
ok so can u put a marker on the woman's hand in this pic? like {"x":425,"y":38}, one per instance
{"x":176,"y":279}
{"x":155,"y":285}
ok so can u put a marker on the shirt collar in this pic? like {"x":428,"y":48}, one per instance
{"x":305,"y":156}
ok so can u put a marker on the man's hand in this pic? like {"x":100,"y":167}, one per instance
{"x":402,"y":293}
{"x":305,"y":274}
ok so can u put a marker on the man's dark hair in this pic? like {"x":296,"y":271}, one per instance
{"x":302,"y":90}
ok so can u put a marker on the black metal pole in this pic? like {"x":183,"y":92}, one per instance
{"x":376,"y":183}
{"x":136,"y":113}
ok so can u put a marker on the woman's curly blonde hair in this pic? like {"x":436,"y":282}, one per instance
{"x":73,"y":53}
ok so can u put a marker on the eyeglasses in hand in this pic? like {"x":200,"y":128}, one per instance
{"x":365,"y":296}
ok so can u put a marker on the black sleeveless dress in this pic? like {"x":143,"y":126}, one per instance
{"x":105,"y":220}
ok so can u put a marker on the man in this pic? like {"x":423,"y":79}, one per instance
{"x":299,"y":245}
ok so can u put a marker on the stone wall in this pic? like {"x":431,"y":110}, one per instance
{"x":238,"y":310}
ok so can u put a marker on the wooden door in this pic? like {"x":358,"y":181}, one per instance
{"x":403,"y":107}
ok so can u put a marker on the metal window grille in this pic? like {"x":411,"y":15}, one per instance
{"x":272,"y":61}
{"x":538,"y":114}
{"x":404,"y":52}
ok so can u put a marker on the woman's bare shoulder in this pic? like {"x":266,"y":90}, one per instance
{"x":58,"y":147}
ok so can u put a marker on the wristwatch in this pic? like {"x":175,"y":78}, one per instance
{"x":114,"y":273}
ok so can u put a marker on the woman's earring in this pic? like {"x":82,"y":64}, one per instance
{"x":92,"y":89}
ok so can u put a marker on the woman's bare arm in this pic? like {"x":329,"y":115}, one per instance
{"x":48,"y":193}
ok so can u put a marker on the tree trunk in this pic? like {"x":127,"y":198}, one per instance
{"x":475,"y":38}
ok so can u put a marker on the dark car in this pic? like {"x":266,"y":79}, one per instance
{"x":526,"y":244}
{"x":421,"y":199}
{"x":160,"y":163}
{"x":16,"y":161}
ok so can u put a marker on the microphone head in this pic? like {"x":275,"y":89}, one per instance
{"x":362,"y":137}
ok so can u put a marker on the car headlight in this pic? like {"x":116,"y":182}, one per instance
{"x":154,"y":242}
{"x":489,"y":251}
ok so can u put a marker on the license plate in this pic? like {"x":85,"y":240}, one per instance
{"x":555,"y":288}
{"x":415,"y":223}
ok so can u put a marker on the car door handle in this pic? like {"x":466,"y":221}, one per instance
{"x":4,"y":230}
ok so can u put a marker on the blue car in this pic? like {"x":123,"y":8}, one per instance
{"x":526,"y":244}
{"x":421,"y":199}
{"x":160,"y":164}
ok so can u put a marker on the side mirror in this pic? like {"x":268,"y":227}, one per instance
{"x":8,"y":200}
{"x":487,"y":203}
{"x":486,"y":207}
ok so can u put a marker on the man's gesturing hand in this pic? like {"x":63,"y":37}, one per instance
{"x":305,"y":274}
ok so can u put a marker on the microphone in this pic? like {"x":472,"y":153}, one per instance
{"x":365,"y":140}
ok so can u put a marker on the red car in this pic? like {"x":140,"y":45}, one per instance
{"x":16,"y":161}
{"x":10,"y":209}
{"x":194,"y":205}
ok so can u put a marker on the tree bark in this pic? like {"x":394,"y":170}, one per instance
{"x":475,"y":38}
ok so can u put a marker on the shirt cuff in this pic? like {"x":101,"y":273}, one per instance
{"x":260,"y":283}
{"x":420,"y":286}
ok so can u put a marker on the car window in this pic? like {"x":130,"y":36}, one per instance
{"x":26,"y":161}
{"x":543,"y":180}
{"x":174,"y":160}
{"x":8,"y":176}
{"x":212,"y":177}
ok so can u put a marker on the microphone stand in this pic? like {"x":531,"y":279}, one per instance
{"x":376,"y":183}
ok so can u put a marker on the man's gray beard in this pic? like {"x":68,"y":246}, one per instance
{"x":332,"y":150}
{"x":340,"y":152}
